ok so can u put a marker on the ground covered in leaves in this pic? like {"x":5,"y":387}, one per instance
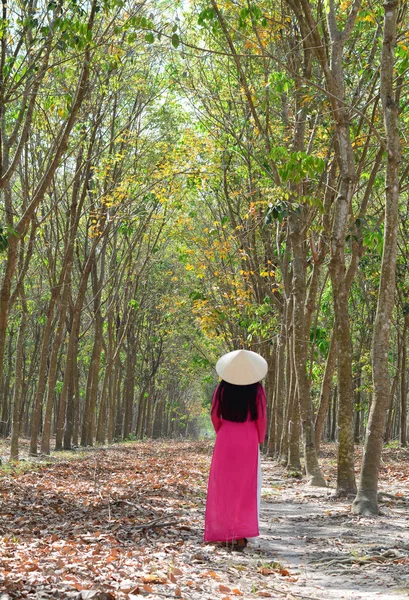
{"x":127,"y":522}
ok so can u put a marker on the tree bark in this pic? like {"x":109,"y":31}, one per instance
{"x":88,"y":426}
{"x":366,"y":501}
{"x":403,"y":404}
{"x":129,"y":391}
{"x":18,"y":382}
{"x":326,"y":387}
{"x":72,"y":341}
{"x":300,"y":350}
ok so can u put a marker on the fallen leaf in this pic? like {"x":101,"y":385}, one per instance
{"x":211,"y":574}
{"x":154,"y":578}
{"x":266,"y":570}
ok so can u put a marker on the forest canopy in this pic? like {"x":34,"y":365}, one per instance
{"x":180,"y":179}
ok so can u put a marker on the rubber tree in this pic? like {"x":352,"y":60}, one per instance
{"x":366,"y":501}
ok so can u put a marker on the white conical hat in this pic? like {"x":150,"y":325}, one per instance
{"x":241,"y":367}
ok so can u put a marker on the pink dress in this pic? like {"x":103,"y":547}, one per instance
{"x":231,"y":507}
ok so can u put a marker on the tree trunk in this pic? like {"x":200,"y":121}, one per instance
{"x":5,"y":399}
{"x":150,"y":410}
{"x":300,"y":350}
{"x":280,"y":381}
{"x":119,"y":417}
{"x":291,"y":398}
{"x":77,"y":402}
{"x":76,"y":322}
{"x":42,"y":378}
{"x":88,"y":426}
{"x":403,"y":405}
{"x":52,"y":372}
{"x":333,"y":432}
{"x":358,"y":406}
{"x":366,"y":501}
{"x":325,"y":391}
{"x":18,"y":381}
{"x":391,"y":412}
{"x":129,"y":392}
{"x":141,"y":412}
{"x":5,"y":294}
{"x":70,"y":413}
{"x":293,"y":462}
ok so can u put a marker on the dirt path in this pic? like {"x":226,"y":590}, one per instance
{"x":126,"y":523}
{"x":312,"y":547}
{"x":332,"y":553}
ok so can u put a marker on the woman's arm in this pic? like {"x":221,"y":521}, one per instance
{"x":261,"y":422}
{"x":216,"y":420}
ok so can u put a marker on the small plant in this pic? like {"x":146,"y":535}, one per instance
{"x":14,"y":467}
{"x":392,"y":444}
{"x":272,"y":564}
{"x":294,"y":474}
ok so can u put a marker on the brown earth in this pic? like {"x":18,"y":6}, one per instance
{"x":126,"y":523}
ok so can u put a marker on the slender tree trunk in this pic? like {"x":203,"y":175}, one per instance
{"x":112,"y":400}
{"x":391,"y":412}
{"x":403,"y":404}
{"x":366,"y":501}
{"x":129,"y":392}
{"x":76,"y":321}
{"x":68,"y":373}
{"x":333,"y":432}
{"x":69,"y":418}
{"x":52,"y":372}
{"x":150,"y":410}
{"x":146,"y":401}
{"x":270,"y":385}
{"x":42,"y":380}
{"x":89,"y":422}
{"x":102,"y":414}
{"x":5,"y":399}
{"x":141,"y":412}
{"x":358,"y":407}
{"x":119,"y":417}
{"x":325,"y":391}
{"x":291,"y":398}
{"x":300,"y":350}
{"x":18,"y":381}
{"x":280,"y":381}
{"x":5,"y":294}
{"x":105,"y":415}
{"x":77,"y":402}
{"x":293,"y":462}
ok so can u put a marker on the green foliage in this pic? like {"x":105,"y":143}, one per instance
{"x":319,"y":337}
{"x":207,"y":14}
{"x":4,"y":240}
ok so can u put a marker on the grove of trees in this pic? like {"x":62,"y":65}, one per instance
{"x":179,"y":179}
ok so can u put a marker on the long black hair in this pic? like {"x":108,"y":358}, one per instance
{"x":236,"y":402}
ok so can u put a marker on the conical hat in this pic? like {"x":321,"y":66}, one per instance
{"x":241,"y":367}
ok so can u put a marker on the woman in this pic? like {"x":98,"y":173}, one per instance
{"x":239,"y":419}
